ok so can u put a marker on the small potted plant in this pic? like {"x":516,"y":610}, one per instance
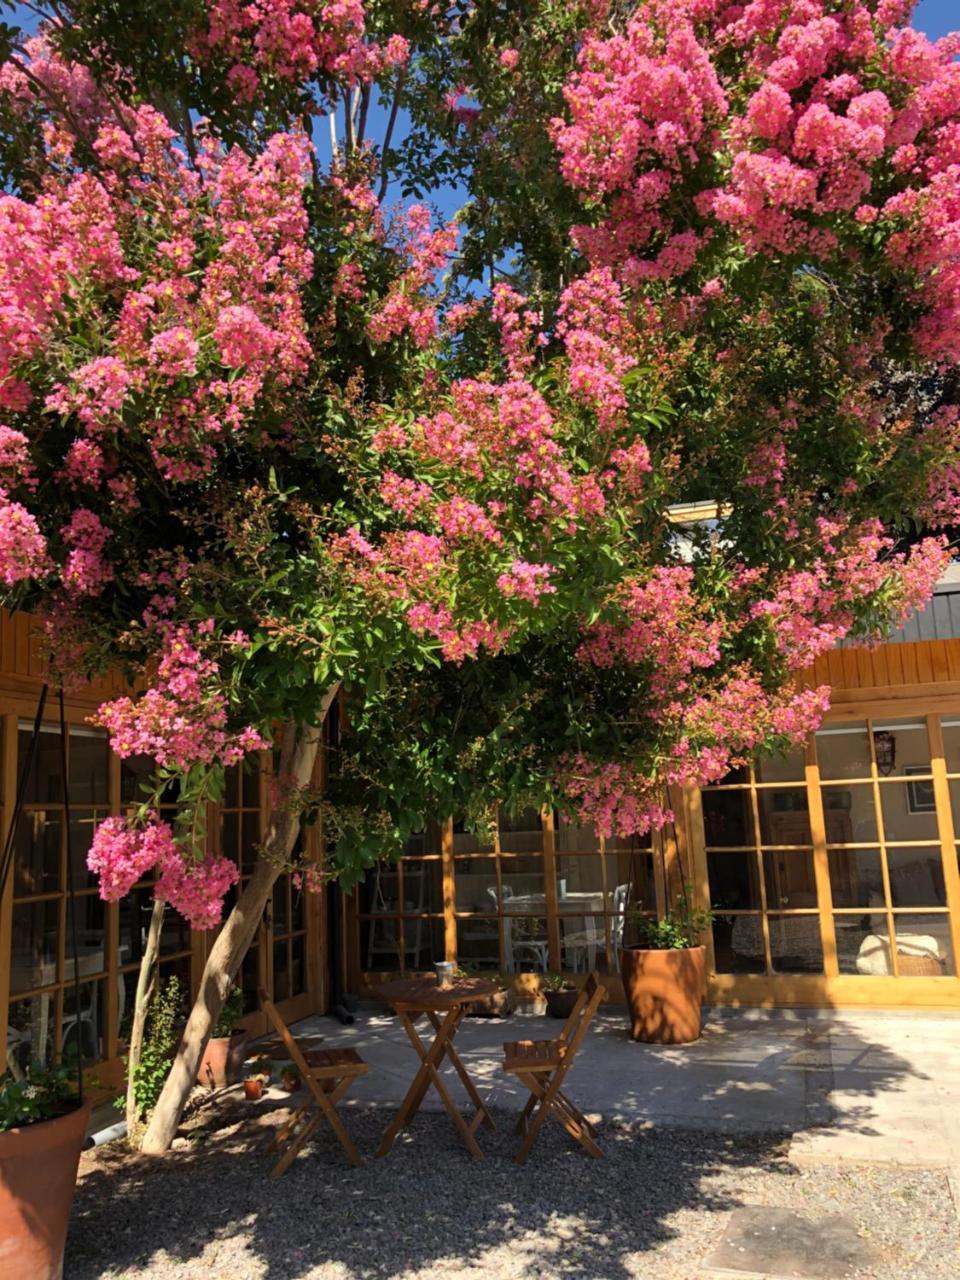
{"x":560,"y":995}
{"x":222,"y":1060}
{"x":663,"y":972}
{"x":290,"y":1077}
{"x":258,"y":1078}
{"x":42,"y":1130}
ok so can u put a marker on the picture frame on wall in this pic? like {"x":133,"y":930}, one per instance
{"x":920,"y":795}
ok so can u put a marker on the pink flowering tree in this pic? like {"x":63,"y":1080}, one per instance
{"x":265,"y":437}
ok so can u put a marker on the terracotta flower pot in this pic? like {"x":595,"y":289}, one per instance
{"x":222,"y":1060}
{"x":560,"y":1003}
{"x":38,"y":1174}
{"x":253,"y":1089}
{"x":664,"y":993}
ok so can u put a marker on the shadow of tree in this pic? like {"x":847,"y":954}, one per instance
{"x":212,"y":1210}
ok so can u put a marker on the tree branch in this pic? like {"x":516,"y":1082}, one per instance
{"x":388,"y":136}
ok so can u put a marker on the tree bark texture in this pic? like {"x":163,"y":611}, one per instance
{"x":297,"y":757}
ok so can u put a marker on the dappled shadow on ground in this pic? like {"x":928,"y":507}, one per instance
{"x":428,"y":1208}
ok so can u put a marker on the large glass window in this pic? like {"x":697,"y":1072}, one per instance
{"x":47,"y":1018}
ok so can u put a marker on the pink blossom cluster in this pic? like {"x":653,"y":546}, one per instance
{"x":525,"y":581}
{"x":123,"y":852}
{"x":292,"y":40}
{"x":213,"y":326}
{"x":181,"y":720}
{"x":406,"y":307}
{"x":662,"y":625}
{"x":23,"y":548}
{"x":810,"y":108}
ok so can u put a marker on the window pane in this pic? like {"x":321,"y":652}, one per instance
{"x":523,"y":885}
{"x":34,"y":950}
{"x":790,"y":879}
{"x":89,"y":767}
{"x":582,"y":944}
{"x":250,"y":980}
{"x":525,"y":944}
{"x":856,"y":877}
{"x":136,"y":775}
{"x":379,"y":891}
{"x":632,"y":877}
{"x":909,"y":812}
{"x":281,"y":972}
{"x":727,"y":819}
{"x":916,"y":878}
{"x":249,"y":841}
{"x":476,"y":884}
{"x":923,"y":946}
{"x":298,"y":966}
{"x":281,"y":913}
{"x":579,"y":883}
{"x":951,"y":743}
{"x":82,"y":827}
{"x":910,"y":747}
{"x":37,"y":853}
{"x":849,"y":814}
{"x":478,"y":944}
{"x":422,"y":886}
{"x":734,"y":881}
{"x":843,"y":751}
{"x":298,"y":906}
{"x":738,"y":942}
{"x":30,"y":1028}
{"x":44,"y":784}
{"x":795,"y":945}
{"x":785,"y":768}
{"x":521,"y":833}
{"x":571,"y":837}
{"x":82,"y":1032}
{"x":466,"y":842}
{"x":91,"y":936}
{"x":783,"y":816}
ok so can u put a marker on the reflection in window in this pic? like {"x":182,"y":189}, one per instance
{"x":856,"y":877}
{"x":795,"y":945}
{"x":790,"y":879}
{"x":843,"y":751}
{"x":784,"y":818}
{"x":734,"y":882}
{"x":916,"y":878}
{"x":727,"y":819}
{"x":738,"y":944}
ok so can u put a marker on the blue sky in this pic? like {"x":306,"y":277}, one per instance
{"x":937,"y":17}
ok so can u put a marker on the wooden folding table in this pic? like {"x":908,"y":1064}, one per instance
{"x":412,"y":998}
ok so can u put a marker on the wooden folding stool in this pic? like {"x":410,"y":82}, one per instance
{"x":336,"y":1068}
{"x":542,"y":1066}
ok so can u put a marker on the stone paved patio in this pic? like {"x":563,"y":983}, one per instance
{"x":856,"y":1085}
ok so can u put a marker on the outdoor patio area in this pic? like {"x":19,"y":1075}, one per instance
{"x":793,"y":1143}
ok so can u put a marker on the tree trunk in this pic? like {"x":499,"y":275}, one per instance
{"x":297,"y":757}
{"x":146,"y":984}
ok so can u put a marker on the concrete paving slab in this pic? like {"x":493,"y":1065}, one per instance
{"x":761,"y":1241}
{"x":858,"y":1085}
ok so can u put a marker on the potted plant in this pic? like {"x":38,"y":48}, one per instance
{"x":222,"y":1059}
{"x":258,"y":1077}
{"x":560,"y":995}
{"x":290,"y":1077}
{"x":42,"y":1130}
{"x":664,"y":974}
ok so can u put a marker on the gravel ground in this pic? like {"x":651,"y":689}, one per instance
{"x":654,"y":1208}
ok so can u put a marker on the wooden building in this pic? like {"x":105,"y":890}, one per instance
{"x":833,"y":873}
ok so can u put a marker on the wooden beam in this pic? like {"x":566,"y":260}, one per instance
{"x":821,"y":861}
{"x":449,"y":891}
{"x":947,"y":833}
{"x":550,"y":887}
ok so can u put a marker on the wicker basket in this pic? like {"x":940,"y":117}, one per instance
{"x":918,"y":966}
